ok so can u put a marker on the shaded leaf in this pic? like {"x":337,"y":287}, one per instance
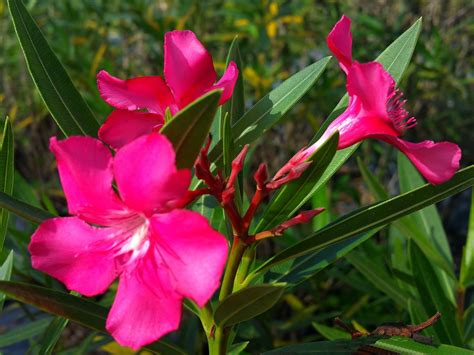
{"x":24,"y":332}
{"x":5,"y":274}
{"x":247,"y":304}
{"x":7,"y":173}
{"x":331,"y":333}
{"x":434,"y":299}
{"x":189,"y":129}
{"x":79,"y":310}
{"x":66,"y":105}
{"x":24,"y":210}
{"x":235,"y":106}
{"x":52,"y":335}
{"x":372,"y":216}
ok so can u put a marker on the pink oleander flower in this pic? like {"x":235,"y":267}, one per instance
{"x":160,"y":253}
{"x":376,"y":110}
{"x":188,"y":74}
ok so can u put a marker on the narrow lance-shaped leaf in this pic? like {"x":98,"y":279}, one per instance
{"x":289,"y":199}
{"x":24,"y":210}
{"x":5,"y":274}
{"x":466,"y":277}
{"x":272,"y":107}
{"x":428,"y":218}
{"x":378,"y":277}
{"x":434,"y":299}
{"x":23,"y":332}
{"x":247,"y":304}
{"x":52,"y":335}
{"x":235,"y":106}
{"x":7,"y":172}
{"x":399,"y":345}
{"x":426,"y":225}
{"x":304,"y":267}
{"x":82,"y":311}
{"x":407,"y":226}
{"x":67,"y":107}
{"x":189,"y":129}
{"x":373,"y":216}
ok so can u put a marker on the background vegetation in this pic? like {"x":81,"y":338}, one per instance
{"x":277,"y":38}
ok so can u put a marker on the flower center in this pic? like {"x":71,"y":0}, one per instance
{"x":396,"y":112}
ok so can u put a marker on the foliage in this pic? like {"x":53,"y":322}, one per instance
{"x":408,"y":271}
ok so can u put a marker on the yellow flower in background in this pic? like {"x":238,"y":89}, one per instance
{"x":272,"y":29}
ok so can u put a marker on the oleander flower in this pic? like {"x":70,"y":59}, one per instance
{"x":188,"y":74}
{"x":376,"y":110}
{"x":160,"y":253}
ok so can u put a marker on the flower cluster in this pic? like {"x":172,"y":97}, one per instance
{"x":127,"y":198}
{"x":136,"y":232}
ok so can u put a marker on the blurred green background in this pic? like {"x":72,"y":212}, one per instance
{"x":277,"y":38}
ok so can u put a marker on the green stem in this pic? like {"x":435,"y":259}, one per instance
{"x":247,"y":260}
{"x":217,"y":336}
{"x":235,"y":256}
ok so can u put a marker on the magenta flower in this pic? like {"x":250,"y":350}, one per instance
{"x":159,"y":253}
{"x":376,"y":110}
{"x":189,"y":73}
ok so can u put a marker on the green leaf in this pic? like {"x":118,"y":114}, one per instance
{"x":5,"y":274}
{"x":66,"y":105}
{"x":428,"y":218}
{"x":408,"y":226}
{"x":189,"y":129}
{"x":247,"y":304}
{"x":226,"y":136}
{"x":7,"y":173}
{"x":24,"y":332}
{"x":272,"y":107}
{"x":289,"y":199}
{"x":399,"y":345}
{"x":24,"y":210}
{"x":373,"y":216}
{"x":321,"y":198}
{"x":433,"y":296}
{"x":79,"y":310}
{"x":379,"y":277}
{"x":426,"y":229}
{"x":466,"y":277}
{"x":235,"y":106}
{"x":409,"y":346}
{"x":395,"y":59}
{"x":331,"y":333}
{"x":304,"y":267}
{"x":52,"y":335}
{"x":236,"y":349}
{"x":469,"y":323}
{"x":324,"y":347}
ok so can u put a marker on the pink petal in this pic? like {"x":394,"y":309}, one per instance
{"x":146,"y":174}
{"x":122,"y":127}
{"x":372,"y":85}
{"x":339,"y":42}
{"x":75,"y":253}
{"x":188,"y":69}
{"x":437,"y":162}
{"x":147,"y":92}
{"x":145,"y":308}
{"x":194,"y":253}
{"x":227,"y":82}
{"x":85,"y":169}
